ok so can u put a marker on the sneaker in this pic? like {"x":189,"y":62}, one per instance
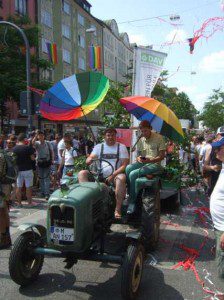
{"x":5,"y":241}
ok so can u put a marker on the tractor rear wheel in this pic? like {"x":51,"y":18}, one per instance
{"x":151,"y":218}
{"x":132,"y":269}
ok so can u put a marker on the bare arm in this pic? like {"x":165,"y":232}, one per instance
{"x":90,"y":158}
{"x":154,"y":160}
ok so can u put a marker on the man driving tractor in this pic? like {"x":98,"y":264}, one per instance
{"x":151,"y":151}
{"x":117,"y":155}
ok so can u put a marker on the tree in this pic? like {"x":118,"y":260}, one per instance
{"x":13,"y":60}
{"x":213,"y":111}
{"x":114,"y":113}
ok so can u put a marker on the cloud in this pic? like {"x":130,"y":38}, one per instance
{"x":187,"y":88}
{"x":138,"y":39}
{"x":213,"y":63}
{"x":199,"y":100}
{"x":176,"y":35}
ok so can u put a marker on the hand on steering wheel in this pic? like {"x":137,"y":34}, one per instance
{"x":98,"y":167}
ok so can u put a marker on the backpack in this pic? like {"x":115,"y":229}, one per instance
{"x":9,"y":170}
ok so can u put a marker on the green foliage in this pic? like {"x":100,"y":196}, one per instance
{"x":80,"y":163}
{"x":114,"y":113}
{"x":213,"y":110}
{"x":13,"y":58}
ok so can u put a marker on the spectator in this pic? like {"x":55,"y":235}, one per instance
{"x":212,"y":164}
{"x":45,"y":158}
{"x":54,"y":145}
{"x":61,"y":145}
{"x":82,"y":146}
{"x":89,"y":146}
{"x":75,"y":143}
{"x":2,"y":141}
{"x":217,"y":209}
{"x":192,"y":149}
{"x":24,"y":157}
{"x":68,"y":156}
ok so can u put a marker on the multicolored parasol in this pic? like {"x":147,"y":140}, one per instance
{"x":162,"y":119}
{"x":74,"y":96}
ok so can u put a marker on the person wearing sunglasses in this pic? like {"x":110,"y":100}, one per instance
{"x":217,"y":208}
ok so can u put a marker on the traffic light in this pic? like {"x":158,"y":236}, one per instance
{"x":35,"y":103}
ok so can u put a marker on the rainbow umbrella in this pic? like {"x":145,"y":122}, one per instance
{"x":74,"y":96}
{"x":162,"y":119}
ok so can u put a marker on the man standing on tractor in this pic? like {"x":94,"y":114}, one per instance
{"x":117,"y":155}
{"x":151,"y":151}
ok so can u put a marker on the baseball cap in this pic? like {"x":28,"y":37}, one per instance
{"x":218,"y":143}
{"x":220,"y":130}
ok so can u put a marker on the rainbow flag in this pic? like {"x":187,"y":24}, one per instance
{"x":52,"y":52}
{"x":95,"y":57}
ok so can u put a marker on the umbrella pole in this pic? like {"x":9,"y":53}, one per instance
{"x":90,"y":128}
{"x":133,"y":148}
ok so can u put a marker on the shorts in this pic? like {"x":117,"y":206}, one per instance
{"x":25,"y":176}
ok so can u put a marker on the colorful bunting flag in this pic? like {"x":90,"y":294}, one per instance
{"x":52,"y":52}
{"x":95,"y":57}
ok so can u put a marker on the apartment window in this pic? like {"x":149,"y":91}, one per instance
{"x":81,"y":20}
{"x":66,"y":56}
{"x":82,"y":64}
{"x":81,"y":41}
{"x":66,"y":31}
{"x":21,"y":7}
{"x":46,"y":18}
{"x":44,"y":45}
{"x":66,"y":7}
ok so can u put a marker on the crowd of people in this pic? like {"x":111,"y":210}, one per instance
{"x":46,"y":161}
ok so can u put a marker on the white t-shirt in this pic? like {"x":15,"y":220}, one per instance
{"x":217,"y":202}
{"x":123,"y":154}
{"x":69,"y":156}
{"x":61,"y":146}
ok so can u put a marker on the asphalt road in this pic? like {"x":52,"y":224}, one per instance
{"x":93,"y":280}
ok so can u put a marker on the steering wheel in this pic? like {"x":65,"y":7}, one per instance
{"x":98,"y":166}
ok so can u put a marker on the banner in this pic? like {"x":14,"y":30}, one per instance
{"x":148,"y":65}
{"x":124,"y":136}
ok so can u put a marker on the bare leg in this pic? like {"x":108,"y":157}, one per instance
{"x":2,"y":220}
{"x":83,"y":176}
{"x":120,"y":191}
{"x":29,"y":194}
{"x":19,"y":195}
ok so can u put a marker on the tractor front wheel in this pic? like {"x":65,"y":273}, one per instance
{"x":24,"y":264}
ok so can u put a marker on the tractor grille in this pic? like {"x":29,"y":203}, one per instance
{"x":97,"y":207}
{"x":62,"y":218}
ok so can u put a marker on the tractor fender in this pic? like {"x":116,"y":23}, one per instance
{"x":133,"y":236}
{"x":40,"y":229}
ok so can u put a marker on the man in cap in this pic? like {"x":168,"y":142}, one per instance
{"x":217,"y":208}
{"x":151,"y":151}
{"x":117,"y":155}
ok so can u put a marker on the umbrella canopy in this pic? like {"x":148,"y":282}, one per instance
{"x":74,"y":96}
{"x":162,"y":119}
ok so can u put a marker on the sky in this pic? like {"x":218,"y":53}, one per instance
{"x":207,"y":61}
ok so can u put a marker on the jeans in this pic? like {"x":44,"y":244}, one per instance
{"x":219,"y":254}
{"x":44,"y":176}
{"x":136,"y":170}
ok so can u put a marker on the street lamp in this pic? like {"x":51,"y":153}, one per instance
{"x":28,"y":81}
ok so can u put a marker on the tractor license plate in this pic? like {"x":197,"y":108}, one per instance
{"x":62,"y":234}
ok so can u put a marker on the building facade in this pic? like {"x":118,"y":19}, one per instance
{"x":118,"y":54}
{"x":70,"y":25}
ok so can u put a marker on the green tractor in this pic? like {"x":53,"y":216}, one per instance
{"x":79,"y":219}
